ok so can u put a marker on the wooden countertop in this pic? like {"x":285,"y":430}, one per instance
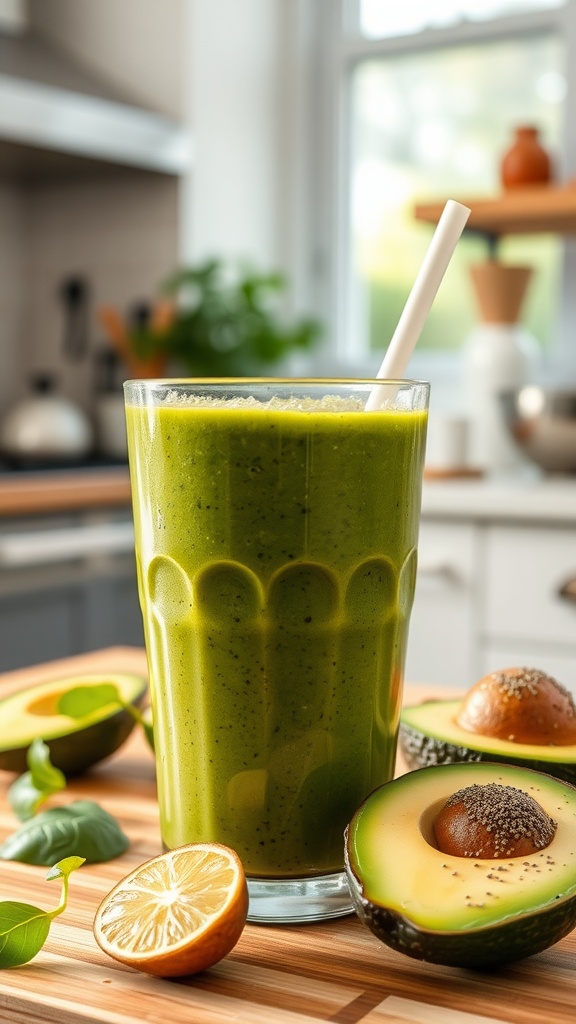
{"x":52,"y":491}
{"x":520,"y":499}
{"x":336,"y":971}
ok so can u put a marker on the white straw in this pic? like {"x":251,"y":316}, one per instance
{"x":413,"y":317}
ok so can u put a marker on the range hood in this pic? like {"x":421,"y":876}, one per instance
{"x":52,"y":106}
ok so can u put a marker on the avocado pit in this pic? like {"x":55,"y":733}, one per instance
{"x":492,"y":822}
{"x":520,"y":705}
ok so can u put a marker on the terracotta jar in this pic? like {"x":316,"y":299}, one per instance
{"x":526,"y":162}
{"x":499,"y":290}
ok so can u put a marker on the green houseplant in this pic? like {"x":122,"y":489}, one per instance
{"x":214,"y":324}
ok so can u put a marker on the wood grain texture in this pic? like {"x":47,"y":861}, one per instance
{"x":335,"y":971}
{"x":42,"y":493}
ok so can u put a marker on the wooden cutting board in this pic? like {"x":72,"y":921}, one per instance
{"x":336,"y":971}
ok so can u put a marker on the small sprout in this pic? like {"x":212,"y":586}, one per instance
{"x":23,"y":927}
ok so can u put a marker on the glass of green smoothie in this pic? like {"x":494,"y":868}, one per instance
{"x":276,"y":527}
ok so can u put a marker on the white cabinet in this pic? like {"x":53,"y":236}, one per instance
{"x":442,"y":641}
{"x":526,"y":568}
{"x":489,"y":586}
{"x":527,"y":618}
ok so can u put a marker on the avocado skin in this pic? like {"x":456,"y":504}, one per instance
{"x":534,"y":924}
{"x":482,"y":949}
{"x":76,"y":751}
{"x":422,"y":751}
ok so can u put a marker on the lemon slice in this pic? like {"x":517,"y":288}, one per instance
{"x":176,"y":914}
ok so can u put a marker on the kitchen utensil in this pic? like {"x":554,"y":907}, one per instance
{"x":118,"y":334}
{"x":74,"y":293}
{"x":45,"y":427}
{"x":109,"y":405}
{"x":542,"y":422}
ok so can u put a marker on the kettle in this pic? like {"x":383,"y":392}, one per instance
{"x":45,"y":427}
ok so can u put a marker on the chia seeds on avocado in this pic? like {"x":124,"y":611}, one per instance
{"x":527,"y":681}
{"x":508,"y":813}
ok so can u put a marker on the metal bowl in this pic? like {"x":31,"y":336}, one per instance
{"x":543,"y":424}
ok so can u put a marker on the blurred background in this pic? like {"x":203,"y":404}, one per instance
{"x":290,"y":137}
{"x":250,"y":186}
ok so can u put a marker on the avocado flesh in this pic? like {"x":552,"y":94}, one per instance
{"x":457,"y":910}
{"x":75,"y":743}
{"x":430,"y":735}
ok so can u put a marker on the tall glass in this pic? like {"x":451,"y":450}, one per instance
{"x":276,"y":533}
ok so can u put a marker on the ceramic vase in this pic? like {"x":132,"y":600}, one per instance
{"x":499,"y":355}
{"x":526,"y":162}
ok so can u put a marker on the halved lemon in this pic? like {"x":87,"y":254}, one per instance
{"x":176,"y":914}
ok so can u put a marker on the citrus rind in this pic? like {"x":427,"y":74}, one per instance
{"x":176,"y":914}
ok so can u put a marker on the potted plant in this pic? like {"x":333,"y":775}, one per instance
{"x":214,"y":324}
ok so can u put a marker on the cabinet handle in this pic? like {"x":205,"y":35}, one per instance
{"x":568,"y":590}
{"x":19,"y":550}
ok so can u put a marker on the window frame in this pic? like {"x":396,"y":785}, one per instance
{"x":335,"y":46}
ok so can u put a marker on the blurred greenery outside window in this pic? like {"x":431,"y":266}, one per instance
{"x":431,"y":110}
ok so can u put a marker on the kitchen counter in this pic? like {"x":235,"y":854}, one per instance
{"x":334,"y":971}
{"x":528,"y":498}
{"x":50,"y":491}
{"x":523,"y":499}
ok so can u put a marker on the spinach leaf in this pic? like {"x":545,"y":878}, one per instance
{"x":32,"y":788}
{"x":80,"y":701}
{"x":23,"y":927}
{"x":81,"y":828}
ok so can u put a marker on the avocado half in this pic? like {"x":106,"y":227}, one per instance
{"x":430,"y":735}
{"x":75,"y":743}
{"x":460,"y":911}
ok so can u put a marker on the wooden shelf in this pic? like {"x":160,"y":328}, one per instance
{"x":522,"y":211}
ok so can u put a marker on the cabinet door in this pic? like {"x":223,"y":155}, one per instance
{"x":442,"y":642}
{"x":112,"y":613}
{"x":81,"y":615}
{"x":526,"y":568}
{"x":39,"y":626}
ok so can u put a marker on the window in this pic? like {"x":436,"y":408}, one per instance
{"x":427,"y":105}
{"x":434,"y":124}
{"x":379,"y":18}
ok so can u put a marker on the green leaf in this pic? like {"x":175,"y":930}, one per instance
{"x":23,"y":931}
{"x":23,"y":927}
{"x":45,"y":775}
{"x":80,"y":701}
{"x":83,"y":700}
{"x":81,"y":829}
{"x":24,"y":797}
{"x":65,"y":867}
{"x":32,"y":788}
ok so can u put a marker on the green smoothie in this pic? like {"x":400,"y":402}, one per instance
{"x":276,"y":553}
